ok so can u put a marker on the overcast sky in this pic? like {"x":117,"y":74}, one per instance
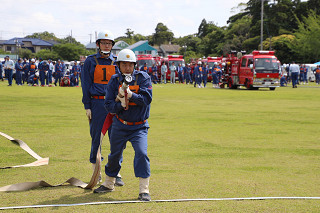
{"x":20,"y":18}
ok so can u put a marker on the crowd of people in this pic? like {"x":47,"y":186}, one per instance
{"x":39,"y":72}
{"x":196,"y":73}
{"x":298,"y":74}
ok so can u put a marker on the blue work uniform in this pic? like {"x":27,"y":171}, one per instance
{"x":44,"y":77}
{"x":215,"y":75}
{"x":33,"y":79}
{"x":32,"y":69}
{"x":144,"y":69}
{"x":25,"y":65}
{"x":95,"y":76}
{"x":197,"y":75}
{"x":204,"y":75}
{"x":19,"y":70}
{"x":180,"y":74}
{"x":74,"y":79}
{"x":283,"y":81}
{"x":1,"y":77}
{"x":154,"y":76}
{"x":129,"y":125}
{"x":187,"y":76}
{"x":58,"y":73}
{"x":75,"y":68}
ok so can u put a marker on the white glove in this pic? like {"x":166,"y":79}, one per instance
{"x":88,"y":114}
{"x":121,"y":92}
{"x":123,"y":101}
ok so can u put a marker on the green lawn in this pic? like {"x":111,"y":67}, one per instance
{"x":203,"y":143}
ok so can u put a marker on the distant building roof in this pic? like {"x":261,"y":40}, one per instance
{"x":137,"y":44}
{"x":170,"y":48}
{"x":53,"y":42}
{"x":91,"y":45}
{"x":34,"y":42}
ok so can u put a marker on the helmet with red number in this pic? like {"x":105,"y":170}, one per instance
{"x":126,"y":55}
{"x":105,"y":34}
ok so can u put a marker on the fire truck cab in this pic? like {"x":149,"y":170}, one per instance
{"x":260,"y":69}
{"x":148,"y":59}
{"x":177,"y":59}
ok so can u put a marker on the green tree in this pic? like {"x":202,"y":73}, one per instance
{"x":281,"y":46}
{"x":44,"y":36}
{"x":26,"y":53}
{"x":162,"y":35}
{"x":69,"y":51}
{"x":306,"y":44}
{"x":48,"y":54}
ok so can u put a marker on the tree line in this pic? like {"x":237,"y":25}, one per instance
{"x":291,"y":28}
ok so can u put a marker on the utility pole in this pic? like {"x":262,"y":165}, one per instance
{"x":261,"y":32}
{"x":90,"y":37}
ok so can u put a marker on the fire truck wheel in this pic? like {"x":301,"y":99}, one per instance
{"x":248,"y":85}
{"x":272,"y":88}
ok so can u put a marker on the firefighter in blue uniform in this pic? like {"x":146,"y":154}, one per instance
{"x":198,"y":74}
{"x":25,"y":66}
{"x":154,"y":75}
{"x":44,"y":77}
{"x":187,"y":71}
{"x":32,"y":68}
{"x":19,"y":70}
{"x":74,"y":79}
{"x":95,"y":76}
{"x":131,"y":106}
{"x":204,"y":75}
{"x":58,"y":73}
{"x":33,"y":79}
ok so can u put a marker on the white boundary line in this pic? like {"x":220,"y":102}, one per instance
{"x":157,"y":201}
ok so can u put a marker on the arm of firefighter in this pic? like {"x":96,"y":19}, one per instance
{"x":110,"y":102}
{"x":86,"y":83}
{"x":144,"y":97}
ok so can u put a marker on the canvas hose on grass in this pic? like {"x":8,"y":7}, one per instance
{"x":94,"y":180}
{"x":45,"y":161}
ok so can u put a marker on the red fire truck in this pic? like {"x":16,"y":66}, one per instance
{"x":148,"y":59}
{"x":260,"y":69}
{"x":177,"y":59}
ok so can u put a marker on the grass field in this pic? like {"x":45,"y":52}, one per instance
{"x":203,"y":143}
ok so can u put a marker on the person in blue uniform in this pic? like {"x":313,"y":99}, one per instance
{"x":131,"y":106}
{"x":215,"y":76}
{"x":198,"y":74}
{"x":97,"y":71}
{"x":283,"y":81}
{"x":74,"y":79}
{"x":154,"y":76}
{"x":1,"y":75}
{"x":180,"y":74}
{"x":25,"y":67}
{"x":33,"y":80}
{"x":32,"y":68}
{"x":58,"y":72}
{"x":75,"y":67}
{"x":44,"y":77}
{"x":145,"y":68}
{"x":204,"y":75}
{"x":19,"y":70}
{"x":187,"y":72}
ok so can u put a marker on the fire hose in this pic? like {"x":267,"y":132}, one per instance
{"x":45,"y":161}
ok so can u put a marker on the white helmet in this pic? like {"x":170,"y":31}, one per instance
{"x":105,"y":34}
{"x":37,"y":74}
{"x":126,"y":55}
{"x":32,"y":60}
{"x":215,"y":63}
{"x":199,"y":62}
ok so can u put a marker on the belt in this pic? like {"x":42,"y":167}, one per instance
{"x":130,"y":123}
{"x":98,"y":97}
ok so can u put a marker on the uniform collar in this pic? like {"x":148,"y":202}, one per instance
{"x":110,"y":56}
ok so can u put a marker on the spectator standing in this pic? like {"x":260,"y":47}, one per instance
{"x":164,"y":70}
{"x":8,"y":69}
{"x":173,"y":70}
{"x":294,"y":70}
{"x":50,"y":71}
